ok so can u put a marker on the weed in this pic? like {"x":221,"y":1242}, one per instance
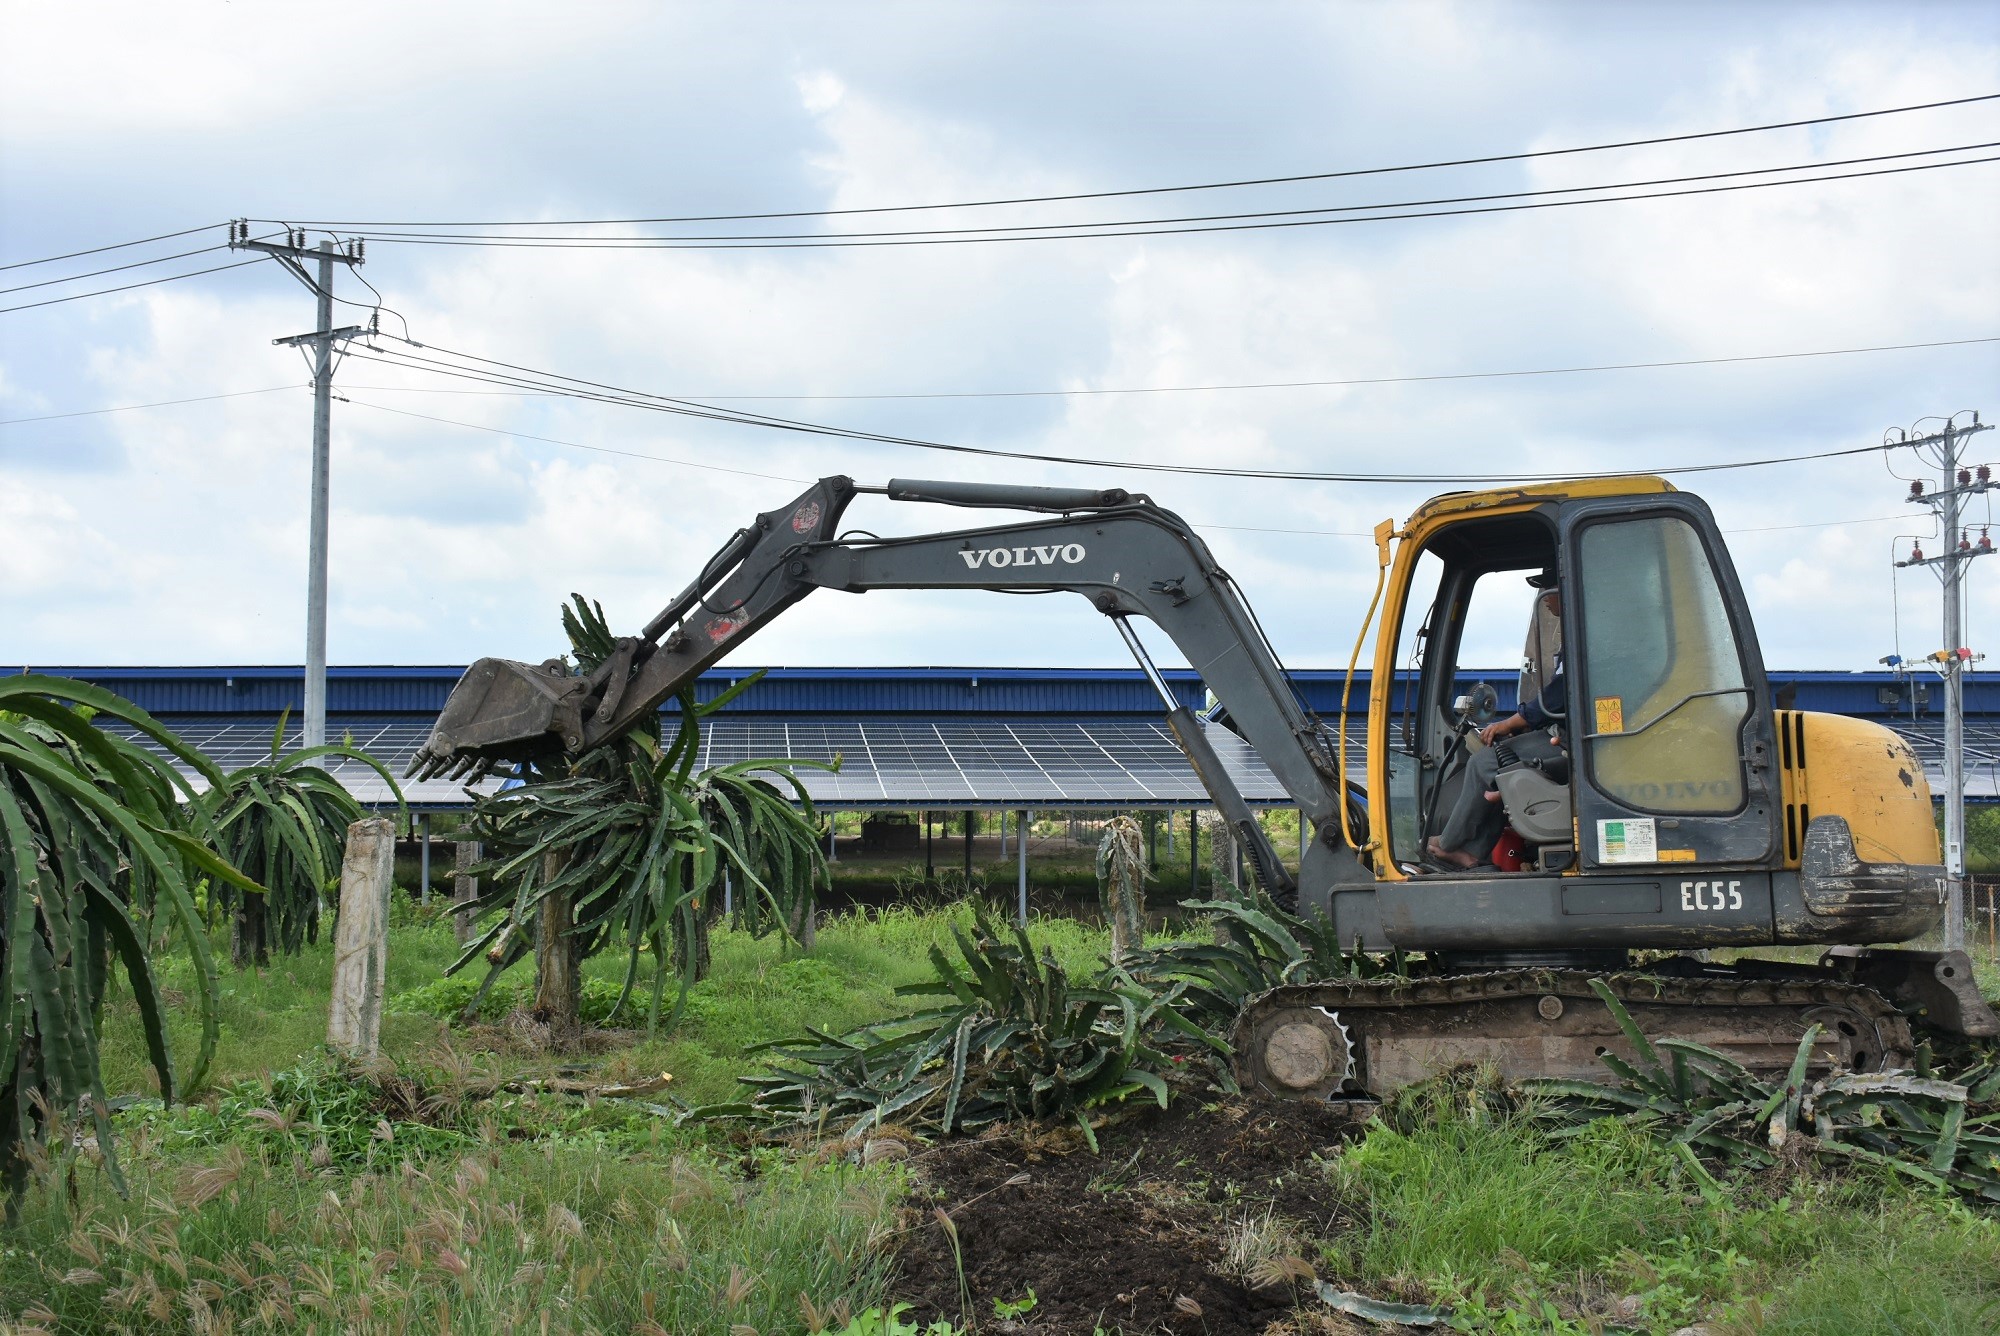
{"x":890,"y":1322}
{"x":1009,"y":1309}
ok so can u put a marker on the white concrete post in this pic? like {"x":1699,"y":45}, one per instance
{"x":464,"y":888}
{"x":361,"y":938}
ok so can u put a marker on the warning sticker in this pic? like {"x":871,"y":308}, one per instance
{"x":1610,"y":714}
{"x":1677,"y":856}
{"x":1631,"y":840}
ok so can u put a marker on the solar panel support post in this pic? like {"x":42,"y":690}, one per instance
{"x":1194,"y":851}
{"x":968,"y":851}
{"x":1021,"y":864}
{"x":424,"y":859}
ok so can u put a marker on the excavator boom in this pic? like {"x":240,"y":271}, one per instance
{"x":1128,"y":556}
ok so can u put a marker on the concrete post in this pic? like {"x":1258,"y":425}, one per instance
{"x":361,"y":939}
{"x":424,"y":859}
{"x":464,"y":888}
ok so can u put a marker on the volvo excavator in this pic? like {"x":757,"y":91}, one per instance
{"x":1685,"y":815}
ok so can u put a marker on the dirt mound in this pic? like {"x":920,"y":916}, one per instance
{"x":1157,"y":1232}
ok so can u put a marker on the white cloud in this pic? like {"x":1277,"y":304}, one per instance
{"x":179,"y":534}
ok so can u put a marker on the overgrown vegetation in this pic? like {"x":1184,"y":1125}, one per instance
{"x":1454,"y":1198}
{"x":96,"y":866}
{"x":1474,"y":1206}
{"x":283,"y":823}
{"x":1942,"y":1128}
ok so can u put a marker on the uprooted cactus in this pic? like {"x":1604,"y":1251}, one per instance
{"x":1924,"y":1124}
{"x":1012,"y":1038}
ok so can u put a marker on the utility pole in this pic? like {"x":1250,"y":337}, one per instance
{"x":293,"y":254}
{"x":1952,"y":661}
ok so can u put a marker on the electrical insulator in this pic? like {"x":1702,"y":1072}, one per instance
{"x":1917,"y":488}
{"x":361,"y":249}
{"x":1916,"y":553}
{"x":1964,"y":477}
{"x":1965,"y":542}
{"x":1984,"y":473}
{"x":1985,"y":541}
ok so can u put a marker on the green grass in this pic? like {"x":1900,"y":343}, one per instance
{"x":1484,"y":1212}
{"x":321,"y":1224}
{"x":758,"y":990}
{"x":501,"y":1239}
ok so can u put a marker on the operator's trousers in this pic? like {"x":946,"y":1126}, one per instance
{"x":1475,"y":824}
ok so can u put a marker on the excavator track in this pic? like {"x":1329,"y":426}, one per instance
{"x":1365,"y":1038}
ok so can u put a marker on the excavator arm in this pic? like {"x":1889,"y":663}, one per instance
{"x":1128,"y":556}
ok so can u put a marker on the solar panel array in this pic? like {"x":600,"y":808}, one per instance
{"x":890,"y":763}
{"x":1982,"y":754}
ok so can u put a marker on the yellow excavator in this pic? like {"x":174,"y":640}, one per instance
{"x":1645,"y":807}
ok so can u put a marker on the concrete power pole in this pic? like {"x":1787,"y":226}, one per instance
{"x":320,"y":341}
{"x":1951,"y":662}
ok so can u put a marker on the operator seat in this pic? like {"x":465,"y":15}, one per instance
{"x":1535,"y":796}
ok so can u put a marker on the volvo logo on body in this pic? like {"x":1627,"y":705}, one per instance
{"x":995,"y":557}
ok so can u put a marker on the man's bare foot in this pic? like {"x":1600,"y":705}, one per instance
{"x":1450,"y":857}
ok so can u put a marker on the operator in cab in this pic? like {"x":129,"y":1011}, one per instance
{"x":1477,"y":818}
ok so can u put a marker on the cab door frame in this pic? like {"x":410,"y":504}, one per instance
{"x":1615,"y":832}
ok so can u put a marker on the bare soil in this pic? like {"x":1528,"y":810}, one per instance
{"x":1135,"y":1238}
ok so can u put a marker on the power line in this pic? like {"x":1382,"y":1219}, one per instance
{"x":1230,"y":528}
{"x":1024,"y":394}
{"x":1276,"y":384}
{"x":170,"y":278}
{"x":121,"y":245}
{"x":599,"y":392}
{"x":164,"y":403}
{"x":1179,"y":189}
{"x":577,"y":445}
{"x":584,"y":243}
{"x":114,"y":269}
{"x":1000,"y":232}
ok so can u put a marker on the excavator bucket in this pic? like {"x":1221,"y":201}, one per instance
{"x":501,"y":712}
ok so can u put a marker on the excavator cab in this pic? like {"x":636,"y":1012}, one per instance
{"x":1646,"y":662}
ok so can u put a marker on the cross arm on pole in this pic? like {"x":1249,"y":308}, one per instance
{"x":314,"y":336}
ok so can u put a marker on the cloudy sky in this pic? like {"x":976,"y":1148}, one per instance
{"x":462,"y":516}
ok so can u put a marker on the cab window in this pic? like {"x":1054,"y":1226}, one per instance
{"x":1665,"y":697}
